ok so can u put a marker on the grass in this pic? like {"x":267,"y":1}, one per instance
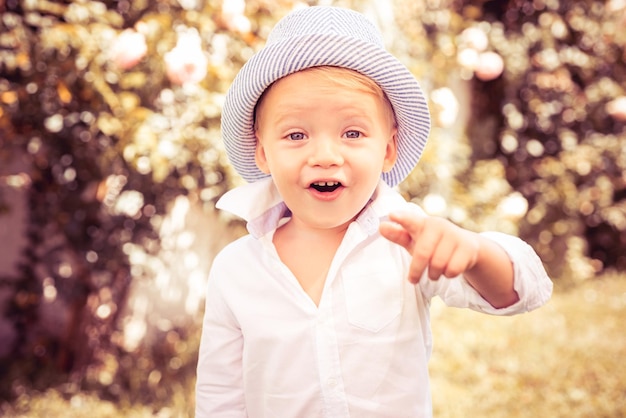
{"x":563,"y":360}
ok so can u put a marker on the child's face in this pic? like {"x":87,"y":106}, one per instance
{"x":325,"y":146}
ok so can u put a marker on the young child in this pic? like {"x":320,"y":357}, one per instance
{"x":322,"y":310}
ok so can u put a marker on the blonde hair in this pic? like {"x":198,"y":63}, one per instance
{"x":347,"y":78}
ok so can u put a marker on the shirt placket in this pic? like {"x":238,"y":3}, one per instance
{"x":331,"y":381}
{"x":329,"y":363}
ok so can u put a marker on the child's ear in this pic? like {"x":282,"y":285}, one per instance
{"x":259,"y":156}
{"x":391,"y":152}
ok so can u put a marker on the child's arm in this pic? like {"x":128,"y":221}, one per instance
{"x":447,"y":250}
{"x":219,"y":383}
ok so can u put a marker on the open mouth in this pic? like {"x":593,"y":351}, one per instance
{"x":326,"y":186}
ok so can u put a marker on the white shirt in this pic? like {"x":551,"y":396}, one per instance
{"x":268,"y":351}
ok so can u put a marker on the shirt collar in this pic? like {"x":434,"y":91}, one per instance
{"x":262,"y":207}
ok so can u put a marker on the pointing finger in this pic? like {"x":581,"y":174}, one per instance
{"x":412,"y":222}
{"x":397,"y":234}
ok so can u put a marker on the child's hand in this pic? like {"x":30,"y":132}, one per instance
{"x":434,"y":243}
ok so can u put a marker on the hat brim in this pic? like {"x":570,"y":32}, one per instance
{"x":280,"y":59}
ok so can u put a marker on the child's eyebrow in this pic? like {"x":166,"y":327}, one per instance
{"x":295,"y":114}
{"x":287,"y":116}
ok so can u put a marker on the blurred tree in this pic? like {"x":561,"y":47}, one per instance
{"x":559,"y":126}
{"x":548,"y":116}
{"x":110,"y":133}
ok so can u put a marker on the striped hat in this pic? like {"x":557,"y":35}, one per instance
{"x":324,"y":36}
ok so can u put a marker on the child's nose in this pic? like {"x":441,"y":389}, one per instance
{"x":325,"y":152}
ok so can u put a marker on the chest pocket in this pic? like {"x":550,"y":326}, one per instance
{"x":373,"y":294}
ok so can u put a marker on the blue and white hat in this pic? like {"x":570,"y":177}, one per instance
{"x":324,"y":36}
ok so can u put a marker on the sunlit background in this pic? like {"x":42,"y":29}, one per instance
{"x":111,"y":162}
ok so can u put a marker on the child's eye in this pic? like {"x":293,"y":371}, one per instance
{"x":296,"y":136}
{"x":353,"y":134}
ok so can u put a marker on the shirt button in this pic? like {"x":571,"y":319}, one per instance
{"x":332,"y":382}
